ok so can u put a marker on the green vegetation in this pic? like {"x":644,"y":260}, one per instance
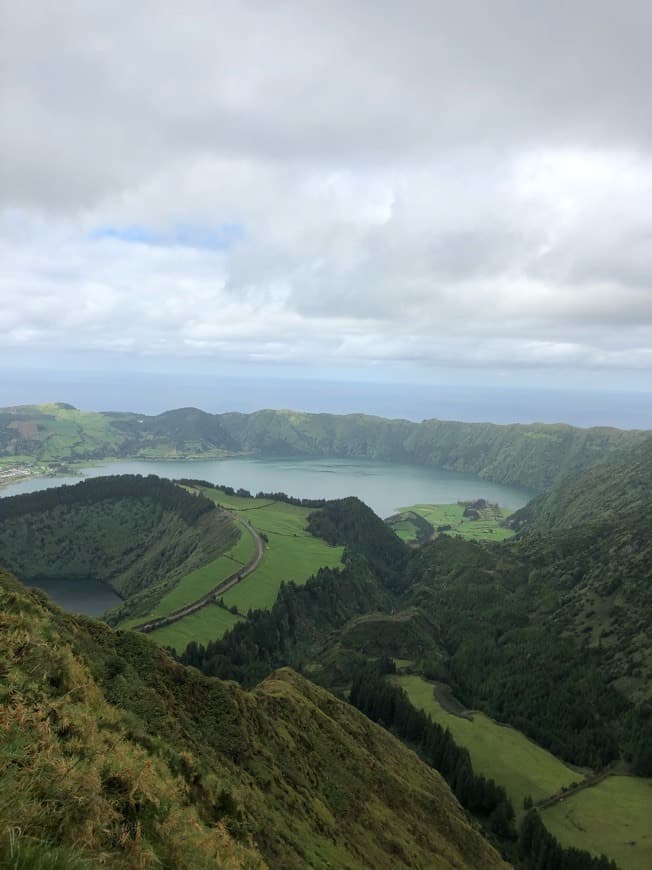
{"x":613,"y":818}
{"x":533,"y":456}
{"x":202,"y":580}
{"x":202,"y":626}
{"x":474,"y":521}
{"x":486,"y":618}
{"x":549,"y":631}
{"x":389,"y":705}
{"x":590,"y":541}
{"x":140,"y":535}
{"x":292,"y":553}
{"x":112,"y":752}
{"x":497,"y":751}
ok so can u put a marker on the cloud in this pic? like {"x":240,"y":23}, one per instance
{"x":421,"y":184}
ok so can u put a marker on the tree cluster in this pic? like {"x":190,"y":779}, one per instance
{"x":118,"y":486}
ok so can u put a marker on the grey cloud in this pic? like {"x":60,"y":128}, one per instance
{"x":96,"y":96}
{"x":422,"y":182}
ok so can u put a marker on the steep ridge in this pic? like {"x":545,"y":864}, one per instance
{"x":528,"y":455}
{"x":590,"y":540}
{"x":113,"y":753}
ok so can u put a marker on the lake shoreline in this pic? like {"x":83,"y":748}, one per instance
{"x":384,"y":486}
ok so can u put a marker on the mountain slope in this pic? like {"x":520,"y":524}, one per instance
{"x":590,"y":541}
{"x":533,"y":456}
{"x":114,"y":753}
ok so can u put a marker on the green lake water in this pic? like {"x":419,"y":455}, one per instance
{"x":384,"y":486}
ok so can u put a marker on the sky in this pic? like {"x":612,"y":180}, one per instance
{"x":420,"y":192}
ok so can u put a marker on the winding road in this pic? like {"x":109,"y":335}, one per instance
{"x":222,"y":587}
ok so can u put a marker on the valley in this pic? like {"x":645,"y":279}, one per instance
{"x":523,"y":768}
{"x":488,"y":605}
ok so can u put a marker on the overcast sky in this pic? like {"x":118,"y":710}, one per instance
{"x":399,"y":190}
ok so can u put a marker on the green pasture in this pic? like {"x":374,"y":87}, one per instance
{"x":202,"y":580}
{"x":497,"y":751}
{"x":286,"y":559}
{"x":486,"y":528}
{"x":291,"y":553}
{"x":71,"y":431}
{"x":404,"y":528}
{"x":209,"y":623}
{"x":614,"y":818}
{"x":199,"y":582}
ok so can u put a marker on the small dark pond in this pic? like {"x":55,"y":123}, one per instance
{"x":84,"y":595}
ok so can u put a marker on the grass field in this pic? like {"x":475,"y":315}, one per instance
{"x":486,"y":528}
{"x":206,"y":624}
{"x":202,"y":580}
{"x":522,"y":767}
{"x":614,"y":818}
{"x":291,"y":553}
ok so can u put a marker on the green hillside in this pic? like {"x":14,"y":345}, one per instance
{"x":533,"y":456}
{"x":291,"y":554}
{"x":548,"y":632}
{"x":497,"y":751}
{"x":113,"y":753}
{"x":142,"y":536}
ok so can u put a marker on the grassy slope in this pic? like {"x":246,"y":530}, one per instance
{"x":497,"y":751}
{"x":53,"y":432}
{"x":203,"y":626}
{"x":612,"y":818}
{"x":109,"y":747}
{"x":291,"y":553}
{"x":487,"y":528}
{"x":594,"y":533}
{"x":203,"y":579}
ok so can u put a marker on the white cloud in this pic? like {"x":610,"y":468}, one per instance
{"x":416,"y":183}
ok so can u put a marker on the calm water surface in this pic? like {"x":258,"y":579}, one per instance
{"x":383,"y":486}
{"x":86,"y":595}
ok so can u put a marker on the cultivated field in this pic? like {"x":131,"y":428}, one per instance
{"x":485,"y":528}
{"x":291,"y":553}
{"x":202,"y":580}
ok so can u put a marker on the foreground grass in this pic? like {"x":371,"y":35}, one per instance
{"x":206,"y":624}
{"x":614,"y":818}
{"x":486,"y":528}
{"x":522,"y":767}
